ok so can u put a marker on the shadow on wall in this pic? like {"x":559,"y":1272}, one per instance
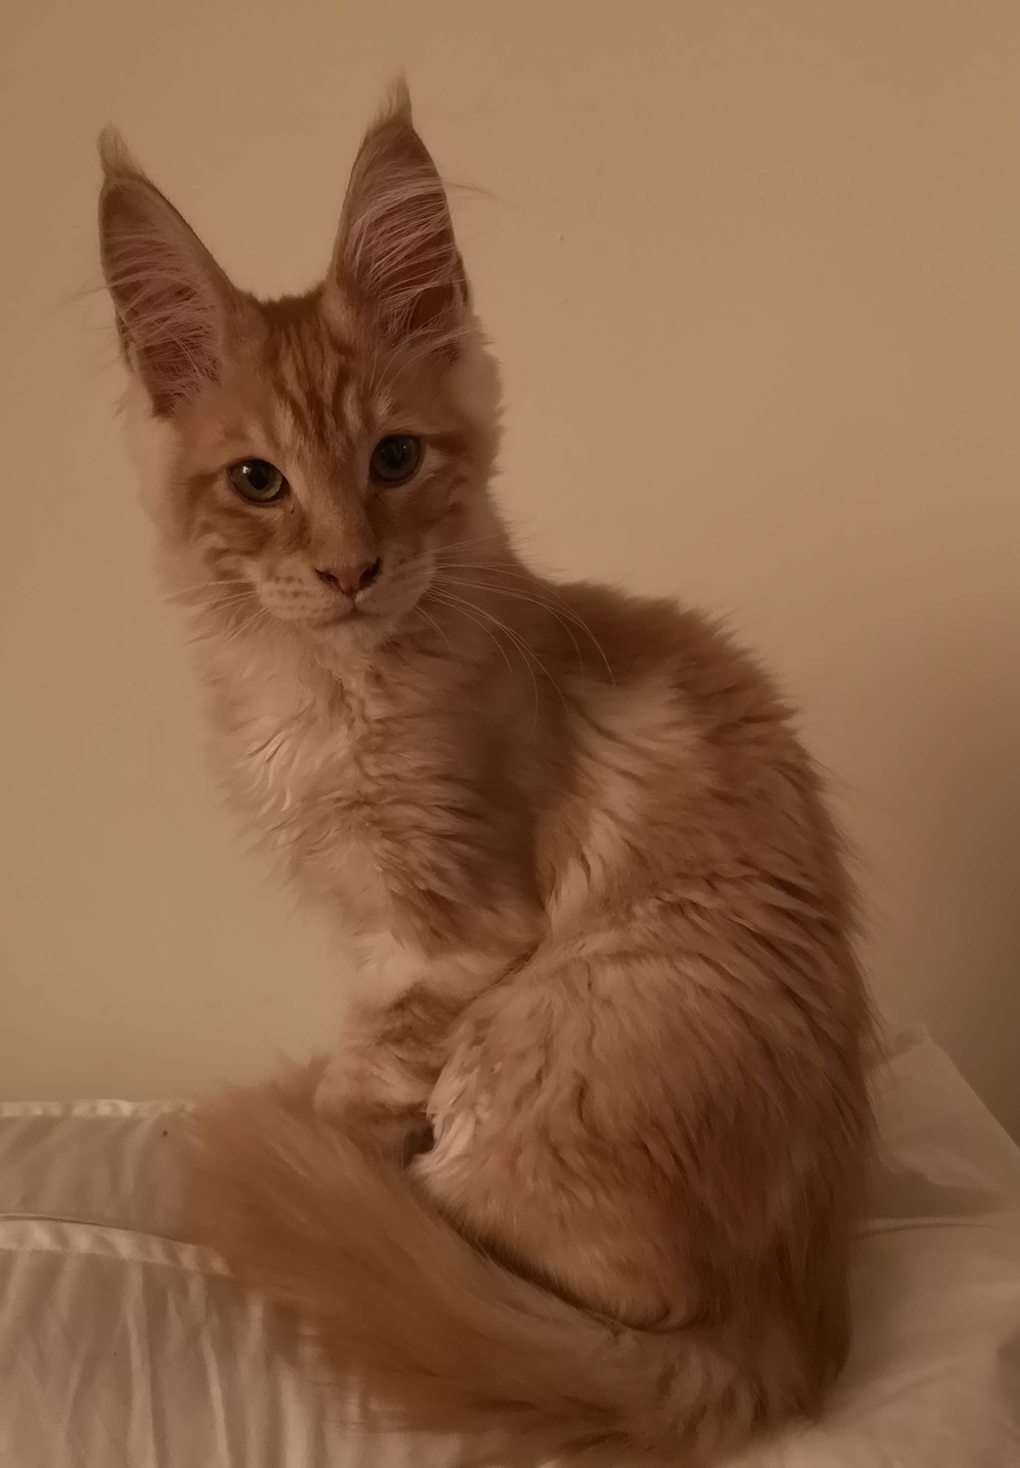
{"x":946,"y":869}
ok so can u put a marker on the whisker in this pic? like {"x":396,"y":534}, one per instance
{"x":461,"y":606}
{"x":539,"y":589}
{"x":519,"y":595}
{"x":226,"y":639}
{"x":437,"y":556}
{"x":207,"y":586}
{"x":232,"y":599}
{"x":528,"y":654}
{"x":433,"y":623}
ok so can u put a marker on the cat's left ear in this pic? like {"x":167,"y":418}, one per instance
{"x":396,"y":260}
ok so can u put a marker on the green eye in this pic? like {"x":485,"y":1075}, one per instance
{"x":395,"y":458}
{"x":257,"y":482}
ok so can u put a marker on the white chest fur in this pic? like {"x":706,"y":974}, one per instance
{"x":286,"y":752}
{"x":289,"y":751}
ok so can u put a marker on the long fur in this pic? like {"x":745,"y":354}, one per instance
{"x":602,"y":931}
{"x":430,"y":1321}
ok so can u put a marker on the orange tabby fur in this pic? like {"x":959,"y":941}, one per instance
{"x":603,"y":923}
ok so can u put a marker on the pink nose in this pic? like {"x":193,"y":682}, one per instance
{"x":351,"y":579}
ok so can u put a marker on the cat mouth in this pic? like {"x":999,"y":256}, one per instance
{"x":344,"y":617}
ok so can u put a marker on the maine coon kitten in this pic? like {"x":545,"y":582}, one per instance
{"x":603,"y":923}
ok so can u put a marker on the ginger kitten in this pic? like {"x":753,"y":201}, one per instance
{"x":604,"y":927}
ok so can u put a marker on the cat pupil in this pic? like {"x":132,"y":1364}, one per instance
{"x":395,"y":458}
{"x":257,"y":481}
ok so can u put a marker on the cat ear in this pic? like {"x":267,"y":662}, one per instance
{"x":396,"y":257}
{"x":172,"y":300}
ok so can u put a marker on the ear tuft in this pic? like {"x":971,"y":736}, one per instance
{"x":397,"y":107}
{"x":114,"y":155}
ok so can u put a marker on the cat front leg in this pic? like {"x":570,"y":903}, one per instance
{"x":381,"y":1076}
{"x":398,"y":1033}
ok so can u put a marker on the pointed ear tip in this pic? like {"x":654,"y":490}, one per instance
{"x":114,"y":156}
{"x":397,"y":107}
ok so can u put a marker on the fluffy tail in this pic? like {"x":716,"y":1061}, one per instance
{"x":454,"y":1342}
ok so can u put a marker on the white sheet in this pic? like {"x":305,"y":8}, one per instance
{"x":122,"y":1345}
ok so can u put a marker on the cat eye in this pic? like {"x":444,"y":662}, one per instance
{"x":257,"y":482}
{"x":395,"y":458}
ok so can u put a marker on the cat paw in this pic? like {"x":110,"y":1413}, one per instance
{"x":334,"y":1096}
{"x":402,"y":1131}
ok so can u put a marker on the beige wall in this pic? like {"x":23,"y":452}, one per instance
{"x":754,"y":273}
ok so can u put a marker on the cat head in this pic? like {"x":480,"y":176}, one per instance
{"x":319,"y":457}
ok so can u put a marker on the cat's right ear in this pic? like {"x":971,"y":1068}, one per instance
{"x":173,"y":302}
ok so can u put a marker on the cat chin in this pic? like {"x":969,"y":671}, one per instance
{"x":351,"y":636}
